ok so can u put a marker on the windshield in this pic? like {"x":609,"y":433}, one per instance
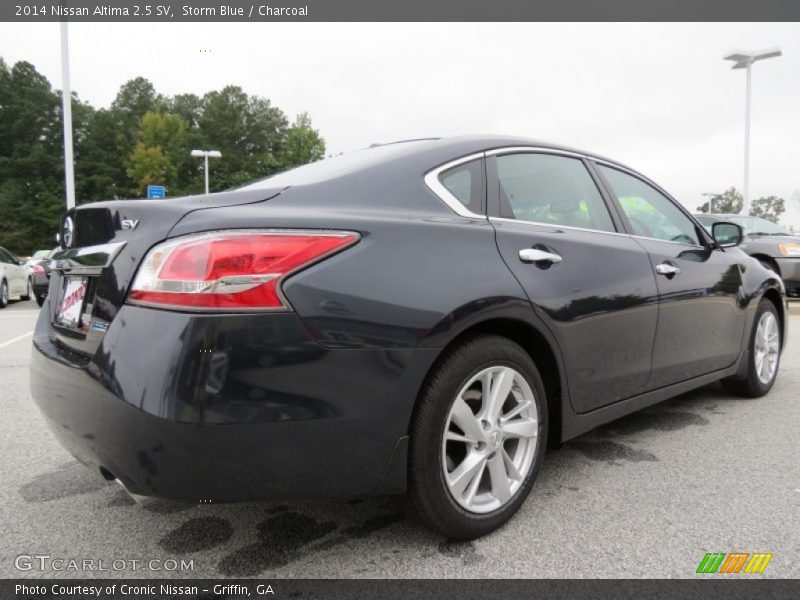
{"x":40,"y":254}
{"x":337,"y":166}
{"x":758,"y":226}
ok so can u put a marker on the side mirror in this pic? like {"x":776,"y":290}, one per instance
{"x":727,"y":234}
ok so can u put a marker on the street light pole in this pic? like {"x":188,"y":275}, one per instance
{"x":745,"y":60}
{"x":205,"y":154}
{"x":746,"y":190}
{"x":66,"y":99}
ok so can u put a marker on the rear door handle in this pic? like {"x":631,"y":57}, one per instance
{"x":667,"y":270}
{"x":533,"y":255}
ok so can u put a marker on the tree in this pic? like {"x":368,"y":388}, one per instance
{"x":248,"y":131}
{"x":303,"y":143}
{"x":768,"y":207}
{"x":161,"y":144}
{"x":142,"y":138}
{"x":729,"y":202}
{"x":150,"y":165}
{"x":31,"y":171}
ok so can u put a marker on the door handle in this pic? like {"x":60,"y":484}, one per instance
{"x":534,"y":255}
{"x":667,"y":269}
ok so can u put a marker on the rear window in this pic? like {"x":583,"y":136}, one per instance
{"x":465,"y":182}
{"x":337,"y":166}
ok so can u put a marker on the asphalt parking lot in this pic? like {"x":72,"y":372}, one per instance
{"x":645,"y":496}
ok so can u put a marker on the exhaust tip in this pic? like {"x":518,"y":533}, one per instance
{"x":138,"y":498}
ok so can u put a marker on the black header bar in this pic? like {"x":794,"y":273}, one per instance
{"x":398,"y":10}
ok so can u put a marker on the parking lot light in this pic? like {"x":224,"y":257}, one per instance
{"x":205,"y":154}
{"x":745,"y":60}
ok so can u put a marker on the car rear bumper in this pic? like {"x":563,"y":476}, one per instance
{"x":227,"y":408}
{"x":790,"y":271}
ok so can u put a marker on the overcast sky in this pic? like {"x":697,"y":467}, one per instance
{"x":658,"y":97}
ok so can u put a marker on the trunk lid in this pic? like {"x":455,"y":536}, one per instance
{"x":91,"y":276}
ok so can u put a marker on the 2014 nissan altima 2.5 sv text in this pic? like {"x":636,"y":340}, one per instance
{"x":420,"y":318}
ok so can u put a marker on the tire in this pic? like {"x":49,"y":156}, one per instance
{"x":29,"y":294}
{"x":754,"y":384}
{"x":3,"y":294}
{"x":444,"y":506}
{"x":40,"y":300}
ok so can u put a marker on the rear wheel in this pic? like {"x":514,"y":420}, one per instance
{"x":3,"y":294}
{"x":764,"y":354}
{"x":40,"y":299}
{"x":477,"y":438}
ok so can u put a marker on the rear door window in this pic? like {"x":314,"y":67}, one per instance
{"x":547,"y":188}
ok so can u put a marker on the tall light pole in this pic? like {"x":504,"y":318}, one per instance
{"x":66,"y":99}
{"x":745,"y":60}
{"x":205,"y":154}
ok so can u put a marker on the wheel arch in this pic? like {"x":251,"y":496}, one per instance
{"x":759,"y":256}
{"x":774,"y":296}
{"x":542,"y":350}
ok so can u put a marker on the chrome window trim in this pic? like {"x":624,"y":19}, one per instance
{"x":534,"y":150}
{"x":432,"y":181}
{"x":557,"y":226}
{"x":572,"y":228}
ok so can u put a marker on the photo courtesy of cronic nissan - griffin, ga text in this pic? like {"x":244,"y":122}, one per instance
{"x":421,"y":318}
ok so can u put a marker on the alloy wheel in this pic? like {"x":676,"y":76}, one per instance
{"x":767,"y":347}
{"x":489,"y":440}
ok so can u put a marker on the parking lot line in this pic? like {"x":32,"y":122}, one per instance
{"x":16,"y":339}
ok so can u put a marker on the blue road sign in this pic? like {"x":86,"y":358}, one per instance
{"x":156,"y":192}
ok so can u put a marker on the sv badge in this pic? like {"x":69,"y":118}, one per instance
{"x":130,"y":223}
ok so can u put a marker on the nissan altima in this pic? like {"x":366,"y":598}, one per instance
{"x":421,"y":318}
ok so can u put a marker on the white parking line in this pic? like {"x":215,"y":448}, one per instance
{"x":16,"y":339}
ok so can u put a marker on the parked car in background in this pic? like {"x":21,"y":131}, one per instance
{"x":38,"y":256}
{"x":416,"y":318}
{"x":15,"y":279}
{"x":41,"y":274}
{"x":774,"y":246}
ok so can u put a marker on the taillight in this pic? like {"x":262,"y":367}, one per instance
{"x":37,"y":269}
{"x":230,"y":270}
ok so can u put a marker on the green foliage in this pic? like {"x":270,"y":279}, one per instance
{"x":303,"y":143}
{"x":768,"y":207}
{"x":142,"y":138}
{"x":729,"y":202}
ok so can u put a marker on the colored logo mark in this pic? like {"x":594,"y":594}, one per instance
{"x":734,"y":562}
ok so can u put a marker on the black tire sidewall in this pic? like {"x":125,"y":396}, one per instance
{"x":473,"y":357}
{"x":3,"y":297}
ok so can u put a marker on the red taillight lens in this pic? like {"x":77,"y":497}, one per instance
{"x":37,"y":269}
{"x":229,"y":270}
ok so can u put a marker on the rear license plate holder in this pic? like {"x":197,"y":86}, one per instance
{"x":69,"y":311}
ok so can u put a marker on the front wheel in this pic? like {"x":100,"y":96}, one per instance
{"x":764,"y":354}
{"x":477,"y":438}
{"x":3,"y":294}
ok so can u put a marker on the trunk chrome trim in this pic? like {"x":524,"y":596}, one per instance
{"x":89,"y":260}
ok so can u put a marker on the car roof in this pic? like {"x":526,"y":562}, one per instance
{"x":417,"y":155}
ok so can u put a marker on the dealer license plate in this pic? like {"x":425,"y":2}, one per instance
{"x":70,"y":308}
